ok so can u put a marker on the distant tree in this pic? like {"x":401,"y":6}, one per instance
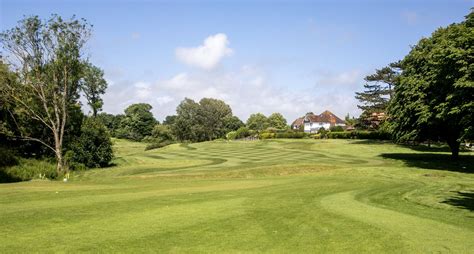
{"x":112,"y":122}
{"x":378,"y":91}
{"x":232,"y":123}
{"x":276,"y":120}
{"x":93,"y":85}
{"x":162,"y":132}
{"x":47,"y":56}
{"x":201,"y":121}
{"x":257,"y":122}
{"x":435,"y":96}
{"x":351,"y":121}
{"x":184,"y":127}
{"x":211,"y":116}
{"x":138,"y":122}
{"x":169,"y":120}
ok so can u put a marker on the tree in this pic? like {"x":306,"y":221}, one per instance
{"x":169,"y":120}
{"x":211,"y":116}
{"x":93,"y":85}
{"x":93,"y":148}
{"x":201,"y":121}
{"x":232,"y":123}
{"x":257,"y":122}
{"x":162,"y":132}
{"x":378,"y":91}
{"x":185,"y":128}
{"x":435,"y":95}
{"x":276,"y":120}
{"x":47,"y":56}
{"x":138,"y":121}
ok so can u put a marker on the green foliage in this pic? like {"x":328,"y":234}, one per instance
{"x":93,"y":148}
{"x":257,"y":122}
{"x":93,"y":85}
{"x":242,"y":132}
{"x":267,"y":135}
{"x":336,"y":128}
{"x":231,"y":135}
{"x":378,"y":135}
{"x":137,"y":123}
{"x":276,"y":120}
{"x":49,"y":64}
{"x":27,"y":169}
{"x":169,"y":120}
{"x":232,"y":123}
{"x":435,"y":96}
{"x":112,"y":122}
{"x":159,"y":144}
{"x":207,"y":120}
{"x":291,"y":134}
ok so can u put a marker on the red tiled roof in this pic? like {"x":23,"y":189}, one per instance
{"x":298,"y":121}
{"x":325,"y":117}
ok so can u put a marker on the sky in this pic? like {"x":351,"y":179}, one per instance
{"x":290,"y":57}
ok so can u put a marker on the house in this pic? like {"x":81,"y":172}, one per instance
{"x":312,"y":123}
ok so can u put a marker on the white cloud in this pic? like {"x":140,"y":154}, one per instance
{"x":208,"y":55}
{"x":246,"y":90}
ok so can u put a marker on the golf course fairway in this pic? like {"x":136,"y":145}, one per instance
{"x":274,"y":196}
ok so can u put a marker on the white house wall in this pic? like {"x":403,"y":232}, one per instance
{"x":314,"y":127}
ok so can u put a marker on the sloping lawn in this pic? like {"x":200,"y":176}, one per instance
{"x":281,"y":196}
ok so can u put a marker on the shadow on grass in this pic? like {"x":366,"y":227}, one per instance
{"x":370,"y":142}
{"x":465,"y":163}
{"x":463,"y":200}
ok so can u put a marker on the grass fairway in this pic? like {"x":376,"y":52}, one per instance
{"x":281,"y":196}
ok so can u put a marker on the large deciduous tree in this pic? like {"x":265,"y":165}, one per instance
{"x":257,"y":122}
{"x":434,"y":98}
{"x":277,"y":121}
{"x":48,"y":60}
{"x":138,"y":122}
{"x":207,"y":120}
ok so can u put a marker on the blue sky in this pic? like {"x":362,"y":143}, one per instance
{"x":259,"y":56}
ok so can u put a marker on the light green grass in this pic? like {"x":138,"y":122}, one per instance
{"x":279,"y":196}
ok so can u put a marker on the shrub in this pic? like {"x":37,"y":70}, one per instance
{"x":28,"y":169}
{"x":7,"y":158}
{"x":336,"y":128}
{"x":267,"y":135}
{"x":93,"y":148}
{"x":231,"y":135}
{"x":160,"y":144}
{"x":291,"y":135}
{"x":340,"y":135}
{"x":243,"y":132}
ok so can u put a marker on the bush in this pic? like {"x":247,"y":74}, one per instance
{"x":28,"y":169}
{"x":267,"y":135}
{"x":231,"y":135}
{"x":340,"y":135}
{"x":292,"y":135}
{"x":336,"y":128}
{"x":7,"y":158}
{"x":243,"y":132}
{"x":93,"y":148}
{"x":359,"y":135}
{"x":160,"y":144}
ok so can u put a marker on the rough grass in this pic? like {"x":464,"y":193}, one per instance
{"x":279,"y":196}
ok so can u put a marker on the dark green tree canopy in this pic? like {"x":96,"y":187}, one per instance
{"x":434,"y":98}
{"x":257,"y":122}
{"x":138,"y":122}
{"x":93,"y":85}
{"x":206,"y":120}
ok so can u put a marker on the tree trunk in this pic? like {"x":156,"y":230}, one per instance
{"x":454,"y":146}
